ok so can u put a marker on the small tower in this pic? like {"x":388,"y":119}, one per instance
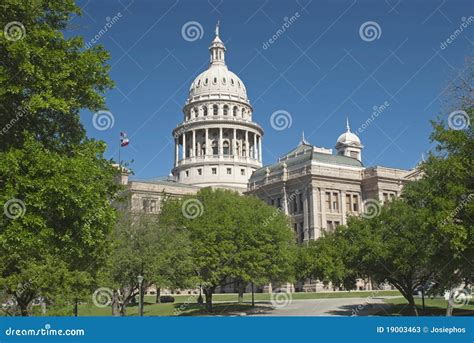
{"x":348,"y":144}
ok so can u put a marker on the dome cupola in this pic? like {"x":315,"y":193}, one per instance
{"x":348,"y":144}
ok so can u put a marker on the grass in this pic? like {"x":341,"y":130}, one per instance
{"x":224,"y":304}
{"x":433,"y":307}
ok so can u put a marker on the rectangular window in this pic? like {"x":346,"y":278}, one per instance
{"x":301,"y":232}
{"x":152,"y":205}
{"x":242,"y":171}
{"x":301,"y":202}
{"x":355,"y":203}
{"x":335,"y":202}
{"x":273,"y":202}
{"x":336,"y":224}
{"x":385,"y":197}
{"x":199,"y":171}
{"x":329,"y":225}
{"x":187,"y":173}
{"x":229,"y":171}
{"x":295,"y":205}
{"x":328,"y":201}
{"x":392,"y":196}
{"x":279,"y":202}
{"x":214,"y":171}
{"x":348,"y":203}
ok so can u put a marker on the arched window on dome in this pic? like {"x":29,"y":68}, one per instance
{"x":226,"y":110}
{"x":238,"y":83}
{"x":224,"y":80}
{"x":234,"y":111}
{"x":215,"y":148}
{"x":215,"y":109}
{"x":243,"y":112}
{"x":225,"y":147}
{"x":204,"y":110}
{"x":206,"y":82}
{"x":199,"y":82}
{"x":215,"y":80}
{"x":232,"y":82}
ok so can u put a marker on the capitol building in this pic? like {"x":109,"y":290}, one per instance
{"x":219,"y":145}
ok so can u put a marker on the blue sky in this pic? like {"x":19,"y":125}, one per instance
{"x":319,"y":70}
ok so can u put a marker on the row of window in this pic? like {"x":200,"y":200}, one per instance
{"x":149,"y":205}
{"x":194,"y":113}
{"x":214,"y":171}
{"x":214,"y":81}
{"x":386,"y":196}
{"x":332,"y":202}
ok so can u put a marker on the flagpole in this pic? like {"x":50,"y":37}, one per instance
{"x":120,"y":164}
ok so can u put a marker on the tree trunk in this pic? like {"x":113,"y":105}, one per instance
{"x":158,"y":294}
{"x":411,"y":302}
{"x":423,"y":297}
{"x":449,"y":309}
{"x":75,"y":307}
{"x":23,"y":309}
{"x":241,"y":291}
{"x":116,"y":304}
{"x":208,"y":292}
{"x":253,"y":296}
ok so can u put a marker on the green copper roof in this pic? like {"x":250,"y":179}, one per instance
{"x":305,"y":153}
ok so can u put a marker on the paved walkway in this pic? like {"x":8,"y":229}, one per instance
{"x":328,"y":307}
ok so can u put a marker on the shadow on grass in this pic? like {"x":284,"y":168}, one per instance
{"x":405,"y":310}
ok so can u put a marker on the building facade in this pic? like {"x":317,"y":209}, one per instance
{"x":217,"y":144}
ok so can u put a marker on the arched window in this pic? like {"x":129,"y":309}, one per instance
{"x":206,"y":82}
{"x":204,"y":110}
{"x":225,"y":147}
{"x":199,"y":82}
{"x":215,"y":150}
{"x":226,"y":110}
{"x":223,"y":80}
{"x":232,"y":82}
{"x":243,"y":112}
{"x":215,"y":80}
{"x":234,"y":111}
{"x":214,"y":110}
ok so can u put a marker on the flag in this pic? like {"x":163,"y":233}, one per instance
{"x":123,"y":139}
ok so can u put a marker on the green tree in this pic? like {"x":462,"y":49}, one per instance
{"x":397,"y":246}
{"x":233,"y":238}
{"x":57,"y":216}
{"x":326,"y":259}
{"x":141,"y":246}
{"x":46,"y":78}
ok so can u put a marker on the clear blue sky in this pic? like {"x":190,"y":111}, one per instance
{"x":320,"y":71}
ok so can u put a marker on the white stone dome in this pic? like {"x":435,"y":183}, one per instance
{"x":218,"y":81}
{"x":348,"y":137}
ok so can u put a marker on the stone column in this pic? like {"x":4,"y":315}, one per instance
{"x":343,"y":207}
{"x":206,"y":141}
{"x":260,"y":148}
{"x":193,"y":144}
{"x":247,"y":148}
{"x":176,"y":151}
{"x":285,"y":200}
{"x":234,"y":143}
{"x":314,"y":213}
{"x":184,"y":145}
{"x":254,"y":146}
{"x":305,"y":215}
{"x":323,"y":208}
{"x":220,"y":142}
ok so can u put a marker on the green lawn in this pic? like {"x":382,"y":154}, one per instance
{"x":433,"y":307}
